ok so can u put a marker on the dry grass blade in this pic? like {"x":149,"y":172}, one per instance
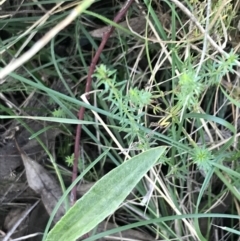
{"x":195,"y":21}
{"x":45,"y":39}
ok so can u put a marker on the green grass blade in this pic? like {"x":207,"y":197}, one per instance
{"x":230,"y":230}
{"x":160,"y":220}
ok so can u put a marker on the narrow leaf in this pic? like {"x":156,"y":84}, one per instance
{"x":104,"y":197}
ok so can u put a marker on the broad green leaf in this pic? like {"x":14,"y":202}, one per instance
{"x":104,"y":197}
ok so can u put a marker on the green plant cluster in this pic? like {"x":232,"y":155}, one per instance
{"x":129,"y":107}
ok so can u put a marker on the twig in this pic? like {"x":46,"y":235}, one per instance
{"x":27,"y":236}
{"x":23,"y":216}
{"x":105,"y":38}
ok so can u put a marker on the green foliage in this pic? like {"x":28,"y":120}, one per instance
{"x":104,"y":197}
{"x":190,"y":88}
{"x":202,"y":157}
{"x":226,"y":64}
{"x":216,"y":69}
{"x":69,"y":160}
{"x":139,"y":98}
{"x":127,"y":106}
{"x":173,"y":91}
{"x":59,"y":113}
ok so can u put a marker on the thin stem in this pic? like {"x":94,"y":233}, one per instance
{"x":81,"y":112}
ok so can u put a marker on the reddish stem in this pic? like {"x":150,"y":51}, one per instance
{"x":105,"y":38}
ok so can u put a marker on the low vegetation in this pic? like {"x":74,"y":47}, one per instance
{"x":164,"y":94}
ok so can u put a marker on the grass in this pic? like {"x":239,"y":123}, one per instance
{"x":164,"y":85}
